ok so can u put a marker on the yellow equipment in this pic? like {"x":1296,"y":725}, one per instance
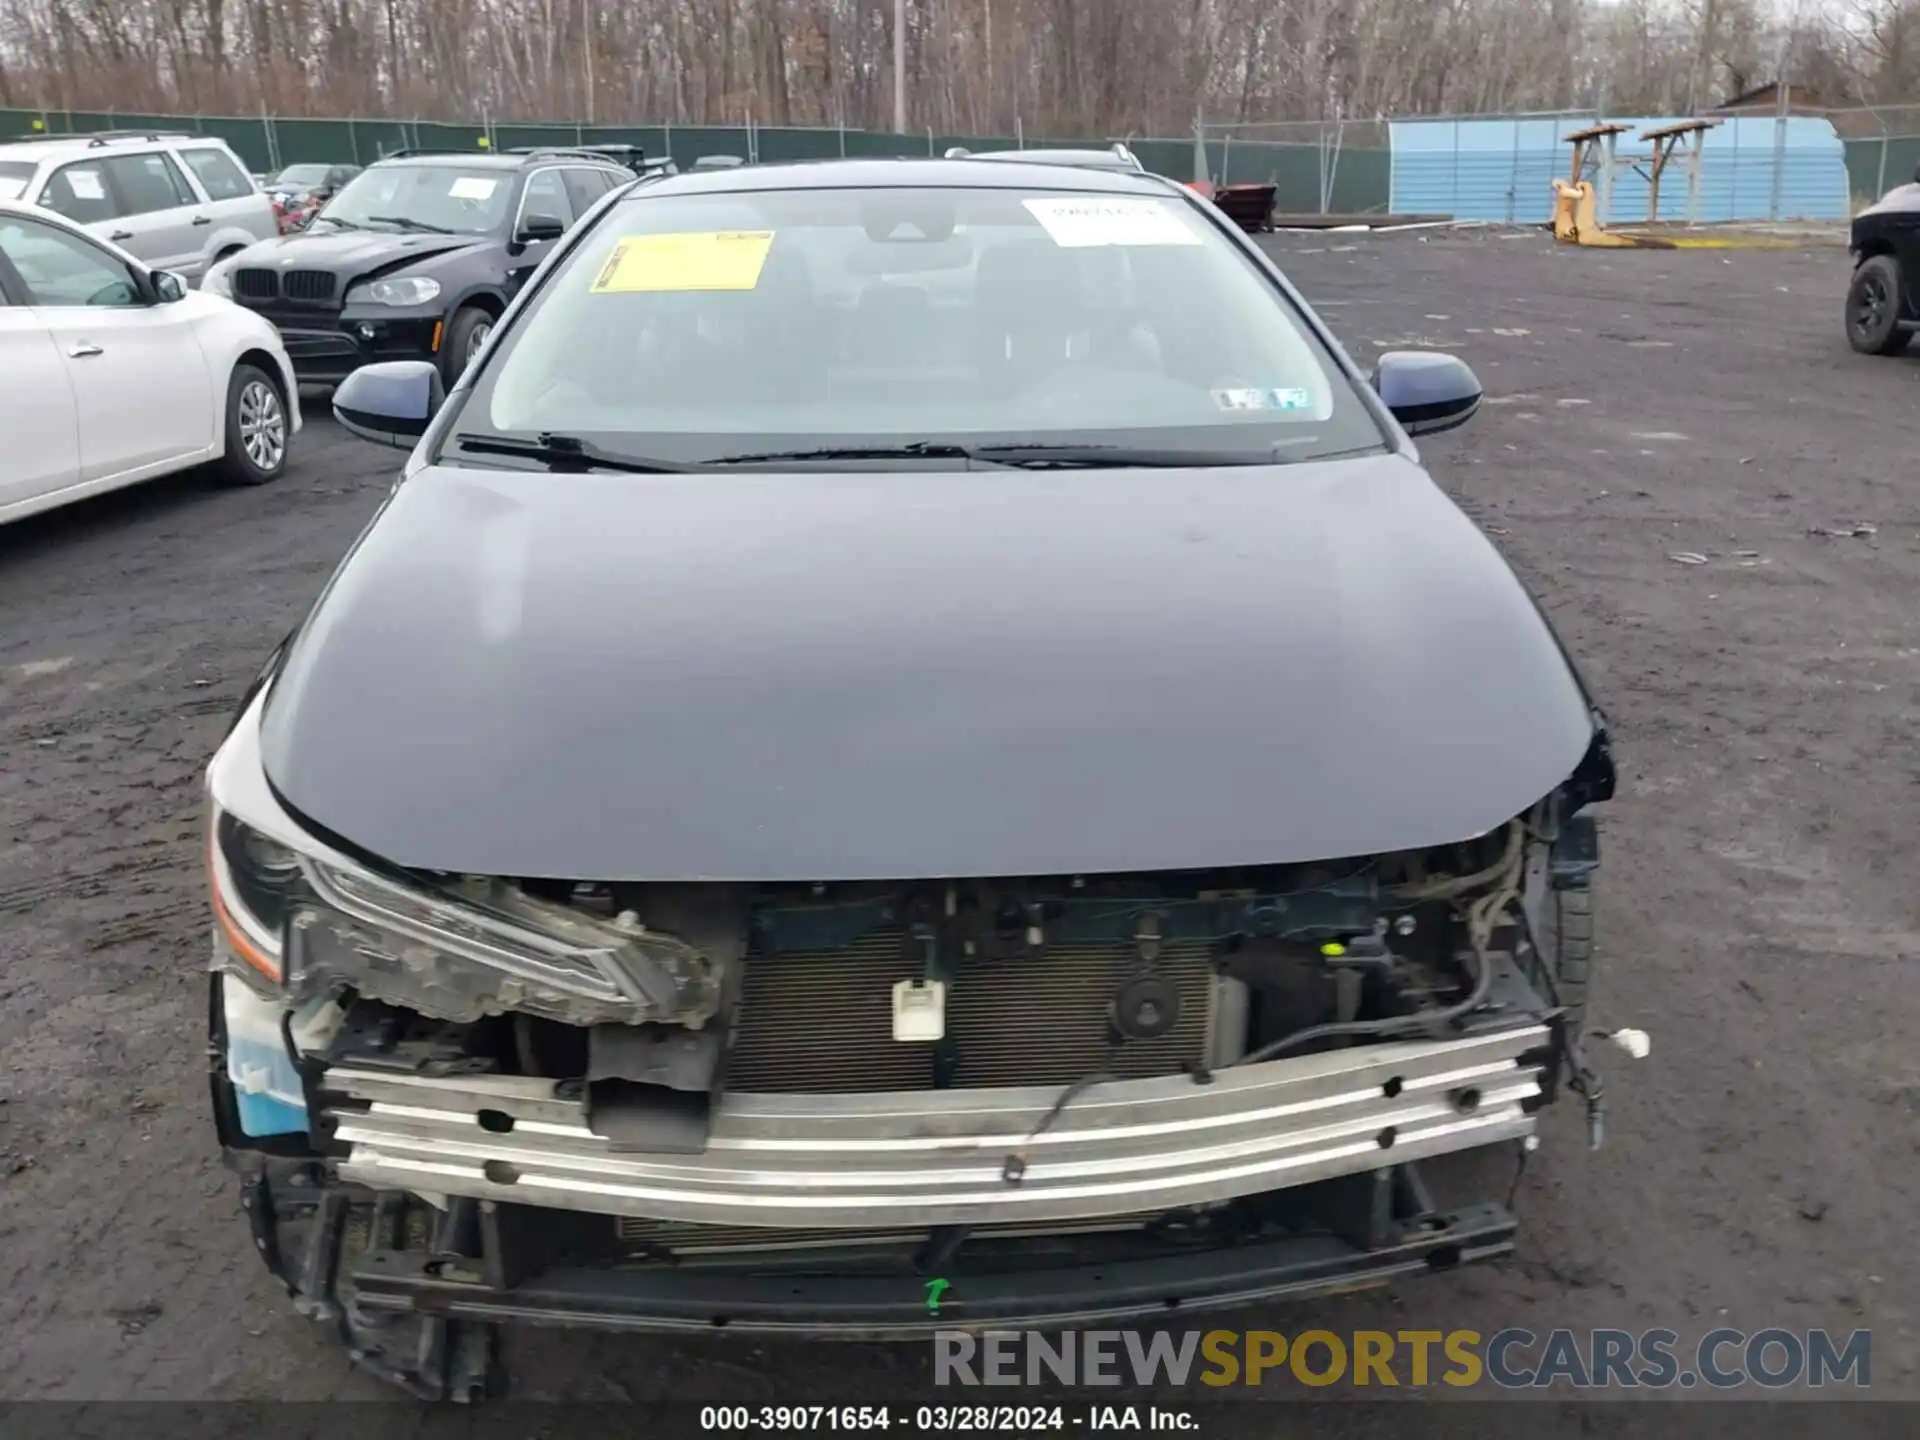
{"x":1576,"y":210}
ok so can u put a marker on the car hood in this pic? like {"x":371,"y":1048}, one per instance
{"x":352,"y":253}
{"x":929,"y":673}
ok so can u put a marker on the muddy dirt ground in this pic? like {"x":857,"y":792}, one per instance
{"x":1761,"y":917}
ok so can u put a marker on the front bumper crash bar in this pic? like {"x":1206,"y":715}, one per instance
{"x":877,"y":1161}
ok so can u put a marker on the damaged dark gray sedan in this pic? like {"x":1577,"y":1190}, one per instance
{"x":906,"y":722}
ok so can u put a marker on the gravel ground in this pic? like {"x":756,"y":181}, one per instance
{"x":1759,"y":910}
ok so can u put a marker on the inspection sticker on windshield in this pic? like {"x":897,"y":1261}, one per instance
{"x":473,"y":187}
{"x":1253,"y":399}
{"x":714,"y":260}
{"x":1081,"y":222}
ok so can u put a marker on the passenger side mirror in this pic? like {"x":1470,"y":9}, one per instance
{"x":538,"y":227}
{"x":391,"y":403}
{"x":168,"y":287}
{"x":1427,"y":391}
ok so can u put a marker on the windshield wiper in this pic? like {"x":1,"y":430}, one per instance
{"x":408,"y":223}
{"x":1034,"y":457}
{"x":566,"y":453}
{"x":336,"y":220}
{"x":918,"y":450}
{"x":1116,"y":457}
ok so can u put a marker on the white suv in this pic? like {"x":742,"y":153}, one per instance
{"x":174,"y":202}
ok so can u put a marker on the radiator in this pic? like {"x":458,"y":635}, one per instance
{"x":822,"y":1021}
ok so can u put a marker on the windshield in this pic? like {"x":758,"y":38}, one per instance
{"x":456,"y":199}
{"x":14,"y":178}
{"x":302,"y":175}
{"x":695,"y":328}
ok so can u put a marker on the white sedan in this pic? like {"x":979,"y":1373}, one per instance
{"x":111,"y":373}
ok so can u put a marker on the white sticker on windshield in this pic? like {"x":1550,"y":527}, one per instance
{"x":85,"y":184}
{"x":473,"y":187}
{"x":1243,"y":398}
{"x":11,"y":189}
{"x":1120,"y":220}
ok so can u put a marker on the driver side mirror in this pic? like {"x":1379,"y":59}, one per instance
{"x":390,"y":403}
{"x":1427,"y":391}
{"x":168,"y":287}
{"x":539,"y":227}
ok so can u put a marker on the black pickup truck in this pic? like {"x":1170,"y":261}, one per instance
{"x":1883,"y":302}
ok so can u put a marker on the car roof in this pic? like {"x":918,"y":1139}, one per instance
{"x":481,"y":159}
{"x":60,"y":222}
{"x":58,"y":148}
{"x":41,"y":212}
{"x":1095,"y":159}
{"x":878,"y":174}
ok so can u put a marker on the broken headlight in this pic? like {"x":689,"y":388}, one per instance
{"x":253,"y":878}
{"x":307,"y":926}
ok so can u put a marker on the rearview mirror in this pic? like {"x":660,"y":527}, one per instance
{"x":1427,"y":391}
{"x":391,"y":403}
{"x":168,"y":287}
{"x":538,"y":227}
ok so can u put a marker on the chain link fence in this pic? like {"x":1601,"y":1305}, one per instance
{"x":1883,"y":148}
{"x":1318,"y":167}
{"x":269,"y":142}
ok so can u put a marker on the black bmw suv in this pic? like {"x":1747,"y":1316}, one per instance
{"x":415,"y":257}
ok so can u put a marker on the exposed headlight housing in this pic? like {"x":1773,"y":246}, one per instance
{"x":301,"y":926}
{"x":252,"y":880}
{"x":403,"y":290}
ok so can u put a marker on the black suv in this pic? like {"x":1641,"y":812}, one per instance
{"x":416,"y":257}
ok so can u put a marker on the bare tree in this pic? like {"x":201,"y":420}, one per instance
{"x":1052,"y":67}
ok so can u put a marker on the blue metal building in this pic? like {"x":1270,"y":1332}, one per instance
{"x":1752,"y":167}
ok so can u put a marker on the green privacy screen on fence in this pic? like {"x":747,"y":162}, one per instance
{"x":1359,"y":180}
{"x":1310,"y":179}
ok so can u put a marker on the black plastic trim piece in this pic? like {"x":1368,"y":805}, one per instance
{"x":867,"y":1307}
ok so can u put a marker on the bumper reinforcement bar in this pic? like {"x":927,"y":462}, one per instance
{"x":874,"y":1161}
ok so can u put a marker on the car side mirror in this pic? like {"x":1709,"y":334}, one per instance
{"x":1426,"y":390}
{"x":391,"y":403}
{"x":539,"y":227}
{"x":168,"y":287}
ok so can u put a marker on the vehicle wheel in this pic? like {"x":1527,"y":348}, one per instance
{"x":466,"y":333}
{"x":1567,"y":948}
{"x":1873,"y":308}
{"x":256,"y":429}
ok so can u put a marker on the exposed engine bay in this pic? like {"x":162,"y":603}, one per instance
{"x":459,"y":1101}
{"x":820,"y":989}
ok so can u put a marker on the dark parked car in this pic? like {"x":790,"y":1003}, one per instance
{"x":906,"y":722}
{"x":300,"y":190}
{"x":1883,"y":299}
{"x":415,"y":257}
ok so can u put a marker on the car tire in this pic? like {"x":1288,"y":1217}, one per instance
{"x":465,"y":333}
{"x":256,"y":428}
{"x":1873,"y":308}
{"x":1566,"y":945}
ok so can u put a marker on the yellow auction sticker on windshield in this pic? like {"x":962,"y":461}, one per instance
{"x":709,"y":260}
